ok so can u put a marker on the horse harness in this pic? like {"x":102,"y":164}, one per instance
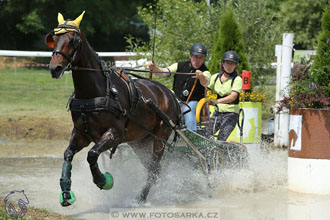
{"x":113,"y":105}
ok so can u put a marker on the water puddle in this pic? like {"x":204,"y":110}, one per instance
{"x":258,"y":192}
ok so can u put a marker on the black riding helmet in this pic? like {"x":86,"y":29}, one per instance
{"x":198,"y":49}
{"x":231,"y":56}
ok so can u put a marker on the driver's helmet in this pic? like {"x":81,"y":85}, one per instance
{"x":198,"y":49}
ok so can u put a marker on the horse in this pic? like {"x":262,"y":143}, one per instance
{"x":109,"y":108}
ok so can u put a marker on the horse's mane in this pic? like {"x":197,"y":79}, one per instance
{"x":84,"y":39}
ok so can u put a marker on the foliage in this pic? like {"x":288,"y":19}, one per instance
{"x":311,"y":89}
{"x":179,"y":24}
{"x":228,"y":38}
{"x":303,"y":18}
{"x":304,"y":93}
{"x":261,"y":31}
{"x":25,"y":23}
{"x":321,"y":66}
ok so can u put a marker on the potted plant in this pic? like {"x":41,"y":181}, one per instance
{"x":309,"y":108}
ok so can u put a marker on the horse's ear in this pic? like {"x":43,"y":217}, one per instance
{"x":49,"y":41}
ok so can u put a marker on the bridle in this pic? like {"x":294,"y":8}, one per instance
{"x":76,"y":45}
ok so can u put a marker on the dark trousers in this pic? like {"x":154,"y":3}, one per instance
{"x":223,"y":121}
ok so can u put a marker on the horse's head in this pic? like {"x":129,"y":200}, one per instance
{"x":65,"y":42}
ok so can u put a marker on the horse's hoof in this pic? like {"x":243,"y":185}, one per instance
{"x":67,"y":198}
{"x":141,"y":199}
{"x":108,"y":181}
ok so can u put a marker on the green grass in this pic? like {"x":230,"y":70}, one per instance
{"x":33,"y":90}
{"x":33,"y":105}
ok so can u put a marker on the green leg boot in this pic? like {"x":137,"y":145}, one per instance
{"x":67,"y":198}
{"x":108,"y":181}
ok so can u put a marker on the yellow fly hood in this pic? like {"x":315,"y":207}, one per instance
{"x":68,"y":25}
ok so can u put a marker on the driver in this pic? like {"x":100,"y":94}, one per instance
{"x":188,"y":88}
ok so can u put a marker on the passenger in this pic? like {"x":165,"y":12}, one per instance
{"x":188,"y":88}
{"x":228,"y":86}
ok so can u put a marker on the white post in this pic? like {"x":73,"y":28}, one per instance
{"x":283,"y":72}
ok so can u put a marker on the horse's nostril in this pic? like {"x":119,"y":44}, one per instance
{"x":56,"y":71}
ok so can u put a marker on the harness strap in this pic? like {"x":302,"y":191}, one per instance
{"x":95,"y":104}
{"x":63,"y":54}
{"x":85,"y":121}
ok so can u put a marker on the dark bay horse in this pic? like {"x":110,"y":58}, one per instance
{"x":108,"y":109}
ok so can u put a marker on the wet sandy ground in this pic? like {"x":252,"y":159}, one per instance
{"x":258,"y":192}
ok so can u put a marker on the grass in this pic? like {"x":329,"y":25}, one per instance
{"x":33,"y":89}
{"x":33,"y":105}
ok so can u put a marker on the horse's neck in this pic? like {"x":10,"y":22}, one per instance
{"x":88,"y":83}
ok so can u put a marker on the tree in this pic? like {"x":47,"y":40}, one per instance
{"x":261,"y":31}
{"x":179,"y":24}
{"x":228,"y":38}
{"x":105,"y":23}
{"x":303,"y":18}
{"x":321,"y":66}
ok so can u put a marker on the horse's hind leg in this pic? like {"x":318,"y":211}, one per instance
{"x":154,"y":166}
{"x":77,"y":143}
{"x":109,"y":140}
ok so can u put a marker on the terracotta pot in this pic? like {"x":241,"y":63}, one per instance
{"x":309,"y":151}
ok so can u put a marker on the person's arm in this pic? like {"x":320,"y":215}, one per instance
{"x":153,"y":67}
{"x":203,"y":77}
{"x":227,"y":99}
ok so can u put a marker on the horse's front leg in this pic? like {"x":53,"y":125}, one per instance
{"x":112,"y":138}
{"x":77,"y":143}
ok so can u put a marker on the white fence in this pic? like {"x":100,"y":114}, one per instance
{"x":16,"y":53}
{"x":119,"y":63}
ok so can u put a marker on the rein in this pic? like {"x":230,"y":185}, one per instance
{"x":128,"y":69}
{"x":161,"y":72}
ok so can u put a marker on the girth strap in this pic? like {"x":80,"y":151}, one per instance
{"x":95,"y":104}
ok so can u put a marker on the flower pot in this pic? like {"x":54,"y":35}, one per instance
{"x":309,"y":151}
